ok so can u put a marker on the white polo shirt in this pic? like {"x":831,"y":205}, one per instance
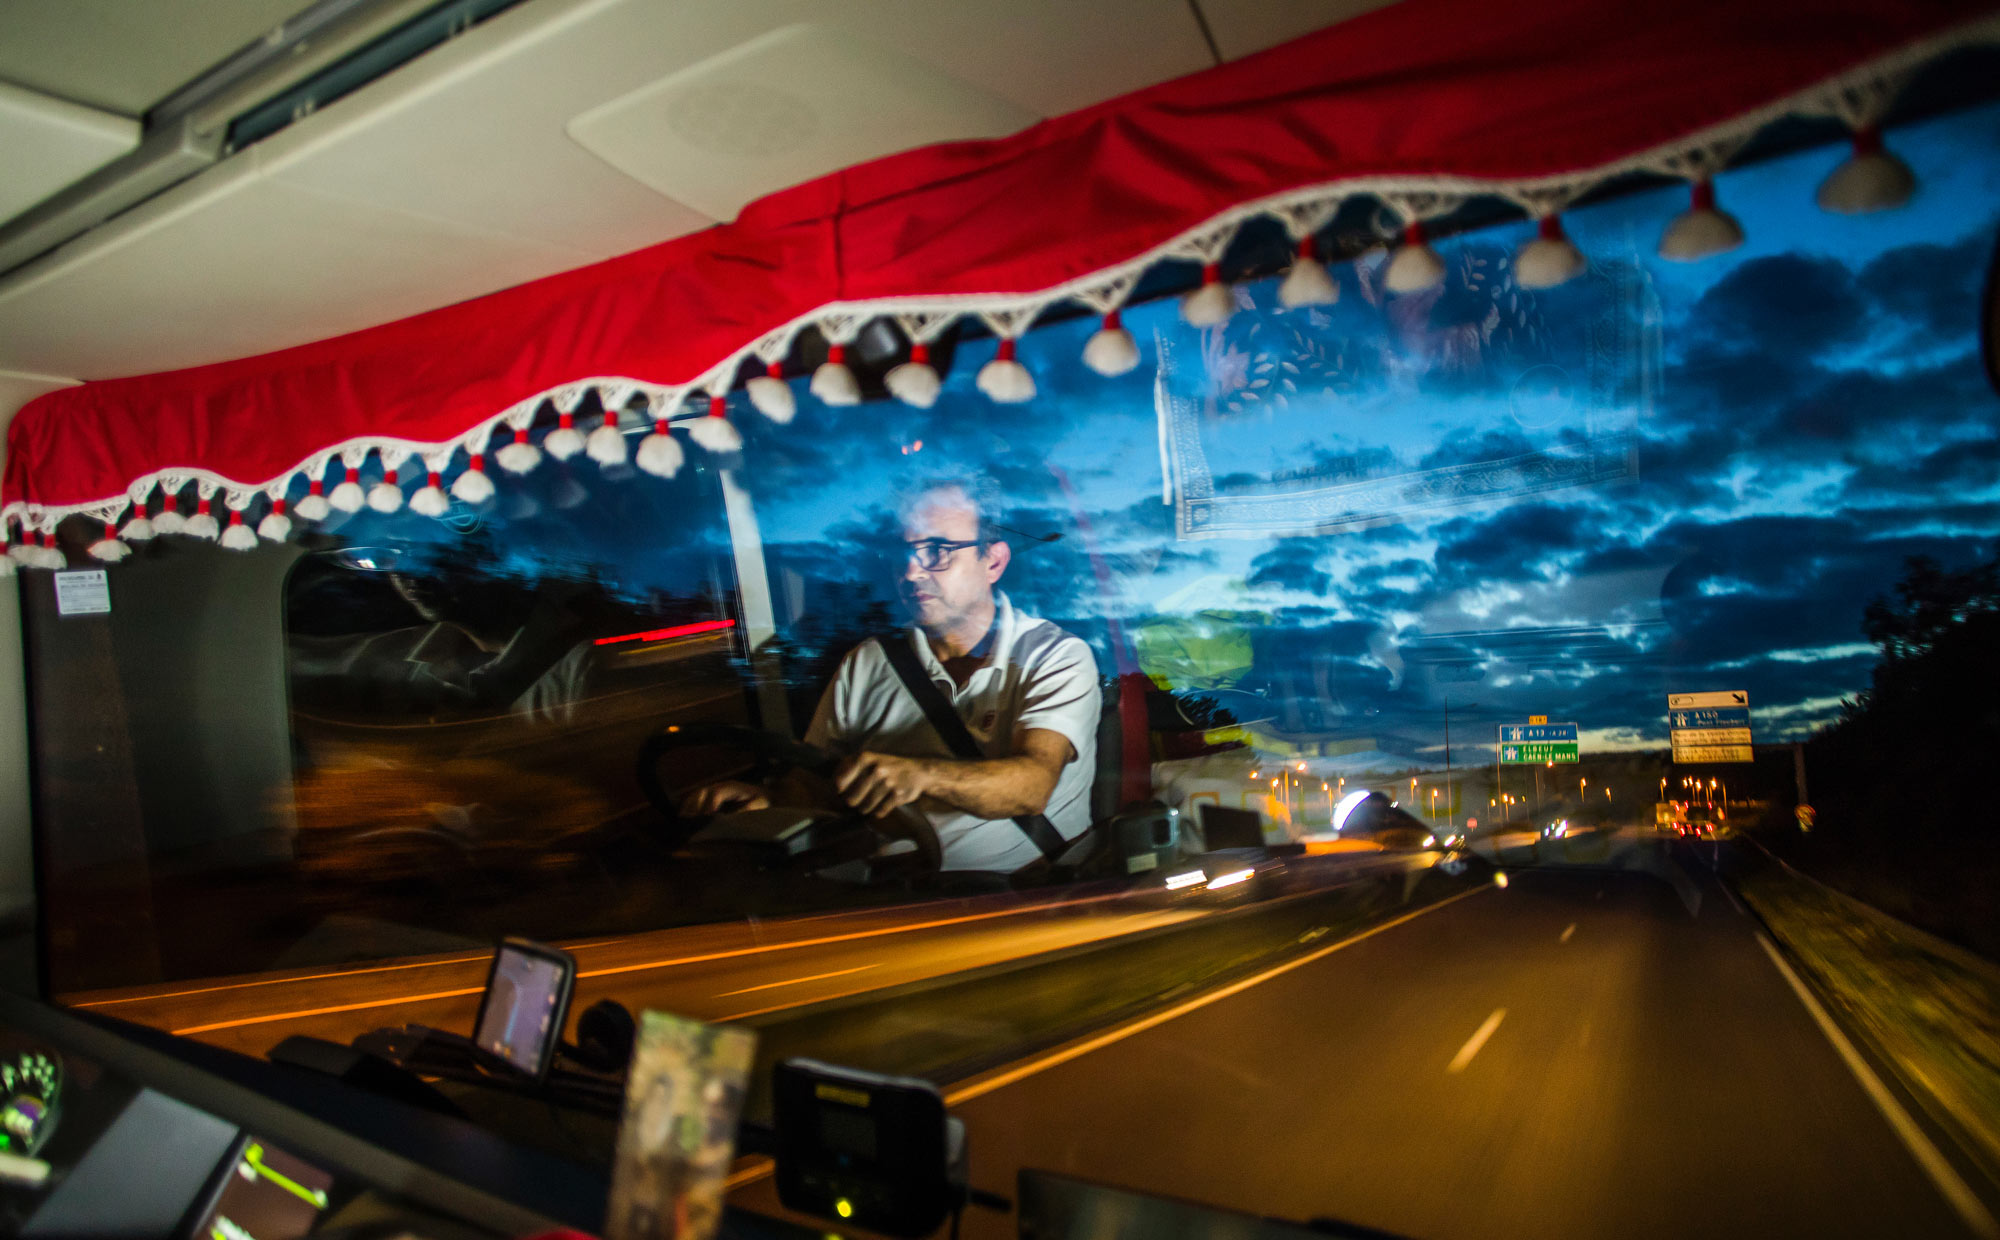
{"x":1036,"y":676}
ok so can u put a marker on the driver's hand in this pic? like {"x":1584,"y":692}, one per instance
{"x":723,"y":796}
{"x":876,"y":783}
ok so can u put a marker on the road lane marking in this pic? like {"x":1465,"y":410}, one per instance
{"x":630,"y":968}
{"x":799,"y":981}
{"x":320,"y":977}
{"x":1971,"y":1211}
{"x":1477,"y":1040}
{"x":327,"y":1011}
{"x":981,"y":1086}
{"x":849,"y":937}
{"x":755,"y":1169}
{"x":279,"y":981}
{"x":1567,"y":931}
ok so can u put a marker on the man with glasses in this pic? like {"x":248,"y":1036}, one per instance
{"x":1025,"y":690}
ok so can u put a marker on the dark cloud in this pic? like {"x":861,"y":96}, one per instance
{"x":1784,"y":305}
{"x":1933,"y":288}
{"x":1512,"y":542}
{"x":1292,"y":565}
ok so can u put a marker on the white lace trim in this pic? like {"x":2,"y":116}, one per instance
{"x":1859,"y":97}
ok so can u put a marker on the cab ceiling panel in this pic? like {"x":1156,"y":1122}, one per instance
{"x":51,"y":142}
{"x":254,"y":264}
{"x":457,"y":174}
{"x":124,"y":56}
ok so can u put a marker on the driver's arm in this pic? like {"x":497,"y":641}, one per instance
{"x":876,"y":783}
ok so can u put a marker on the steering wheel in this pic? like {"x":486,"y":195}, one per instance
{"x":774,"y":755}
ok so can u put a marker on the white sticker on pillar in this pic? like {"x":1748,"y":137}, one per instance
{"x":85,"y":592}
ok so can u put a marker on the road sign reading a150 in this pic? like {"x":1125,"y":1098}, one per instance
{"x":1710,"y":727}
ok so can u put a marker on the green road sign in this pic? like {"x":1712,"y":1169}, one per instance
{"x":1532,"y":753}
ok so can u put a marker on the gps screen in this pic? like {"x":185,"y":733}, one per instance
{"x":269,"y":1195}
{"x":518,"y":1021}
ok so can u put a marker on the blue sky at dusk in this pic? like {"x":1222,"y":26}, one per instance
{"x":1659,"y":478}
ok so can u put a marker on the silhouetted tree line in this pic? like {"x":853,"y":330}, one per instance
{"x":1905,"y":780}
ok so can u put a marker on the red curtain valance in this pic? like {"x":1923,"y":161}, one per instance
{"x":1421,"y":105}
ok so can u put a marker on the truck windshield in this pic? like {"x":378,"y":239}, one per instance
{"x":1543,"y":650}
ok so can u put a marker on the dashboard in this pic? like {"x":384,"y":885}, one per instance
{"x":101,"y":1136}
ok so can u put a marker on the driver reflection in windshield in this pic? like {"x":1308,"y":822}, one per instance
{"x":1026,"y":690}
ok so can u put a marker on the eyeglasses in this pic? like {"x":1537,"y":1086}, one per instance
{"x":932,"y":554}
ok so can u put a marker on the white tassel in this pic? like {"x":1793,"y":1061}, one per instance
{"x":276,"y":526}
{"x":203,"y":523}
{"x":50,"y":556}
{"x":1111,"y":350}
{"x":170,"y":520}
{"x":348,"y":496}
{"x":314,"y":506}
{"x":1549,"y":259}
{"x":22,"y":553}
{"x":519,"y":457}
{"x":6,"y":564}
{"x":565,"y":441}
{"x":430,"y":499}
{"x":1871,"y":179}
{"x":386,"y":495}
{"x":473,"y":486}
{"x":833,"y":382}
{"x":1308,"y":282}
{"x":606,"y":444}
{"x":1414,"y":266}
{"x":1701,"y":230}
{"x":138,"y":529}
{"x":1212,"y":303}
{"x":714,"y":431}
{"x":1005,"y":379}
{"x":108,"y":548}
{"x":660,"y":453}
{"x":916,"y":381}
{"x":238,"y":536}
{"x":772,"y":396}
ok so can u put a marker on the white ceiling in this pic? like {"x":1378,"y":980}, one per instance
{"x":521,"y":149}
{"x":124,"y":56}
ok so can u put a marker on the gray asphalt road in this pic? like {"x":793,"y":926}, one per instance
{"x":1574,"y":1055}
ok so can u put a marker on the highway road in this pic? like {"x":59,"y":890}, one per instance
{"x":1577,"y":1054}
{"x":718,"y":972}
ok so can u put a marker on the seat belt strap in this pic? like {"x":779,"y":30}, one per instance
{"x":956,"y":736}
